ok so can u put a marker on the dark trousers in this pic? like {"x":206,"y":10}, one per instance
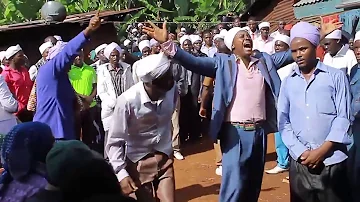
{"x":242,"y":163}
{"x":329,"y":184}
{"x":190,"y":121}
{"x":25,"y":116}
{"x":354,"y":161}
{"x":85,"y":128}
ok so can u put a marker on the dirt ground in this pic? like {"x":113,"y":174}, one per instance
{"x":196,"y":180}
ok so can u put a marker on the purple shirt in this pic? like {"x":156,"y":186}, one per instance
{"x":55,"y":95}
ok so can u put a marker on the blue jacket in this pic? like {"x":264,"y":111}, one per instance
{"x":355,"y":92}
{"x":224,"y":68}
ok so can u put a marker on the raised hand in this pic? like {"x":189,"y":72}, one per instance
{"x":95,"y":21}
{"x":161,"y":35}
{"x":328,"y":27}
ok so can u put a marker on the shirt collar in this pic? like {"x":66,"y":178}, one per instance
{"x":319,"y":67}
{"x":270,"y":39}
{"x":7,"y":68}
{"x":144,"y":97}
{"x":342,"y":52}
{"x":253,"y":61}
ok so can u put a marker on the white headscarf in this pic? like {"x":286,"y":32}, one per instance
{"x":2,"y":55}
{"x":194,"y":38}
{"x":263,"y":25}
{"x":12,"y":50}
{"x":152,"y":67}
{"x":357,"y":36}
{"x":336,"y":34}
{"x":230,"y":35}
{"x":153,"y":42}
{"x":127,"y":42}
{"x":184,"y":38}
{"x":283,"y":38}
{"x":143,"y":44}
{"x":99,"y":48}
{"x":110,"y":48}
{"x":45,"y":46}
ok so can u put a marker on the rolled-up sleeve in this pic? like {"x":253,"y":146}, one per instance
{"x":341,"y":123}
{"x":296,"y":148}
{"x":116,"y":143}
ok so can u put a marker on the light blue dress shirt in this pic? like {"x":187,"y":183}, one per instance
{"x":312,"y":112}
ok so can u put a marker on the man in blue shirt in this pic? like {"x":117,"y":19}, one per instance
{"x":314,"y":119}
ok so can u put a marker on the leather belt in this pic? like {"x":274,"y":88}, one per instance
{"x":248,"y":126}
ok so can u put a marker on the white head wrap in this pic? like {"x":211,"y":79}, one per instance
{"x":153,"y":42}
{"x":99,"y":48}
{"x":127,"y":42}
{"x":334,"y":35}
{"x":110,"y":48}
{"x":230,"y":35}
{"x":357,"y":36}
{"x":183,"y":29}
{"x":143,"y":44}
{"x":2,"y":56}
{"x":152,"y":67}
{"x":58,"y":38}
{"x":218,"y":36}
{"x":140,"y":25}
{"x":194,"y":38}
{"x":183,"y":38}
{"x":134,"y":30}
{"x":223,"y":32}
{"x":263,"y":25}
{"x":45,"y":46}
{"x":12,"y":50}
{"x":283,"y":38}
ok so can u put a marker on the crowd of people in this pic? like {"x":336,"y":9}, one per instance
{"x":110,"y":130}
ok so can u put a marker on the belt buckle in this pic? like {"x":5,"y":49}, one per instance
{"x":249,"y":126}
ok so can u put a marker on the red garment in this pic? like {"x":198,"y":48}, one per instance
{"x":320,"y":53}
{"x":19,"y":84}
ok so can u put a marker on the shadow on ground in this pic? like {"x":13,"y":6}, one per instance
{"x":196,"y":191}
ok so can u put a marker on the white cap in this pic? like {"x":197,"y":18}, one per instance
{"x":152,"y":67}
{"x":183,"y":29}
{"x":283,"y":38}
{"x":153,"y":42}
{"x":357,"y":36}
{"x":110,"y":48}
{"x":218,"y":36}
{"x":12,"y":50}
{"x":45,"y":46}
{"x":336,"y":34}
{"x":143,"y":44}
{"x":194,"y":38}
{"x":184,"y":38}
{"x":140,"y":25}
{"x":58,"y":37}
{"x":264,"y":24}
{"x":2,"y":55}
{"x":230,"y":35}
{"x":127,"y":42}
{"x":99,"y":48}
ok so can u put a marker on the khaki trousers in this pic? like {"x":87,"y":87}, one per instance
{"x":176,"y":127}
{"x":154,"y":177}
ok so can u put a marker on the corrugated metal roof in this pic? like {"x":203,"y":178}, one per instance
{"x":76,"y":18}
{"x":349,"y":4}
{"x":306,"y":2}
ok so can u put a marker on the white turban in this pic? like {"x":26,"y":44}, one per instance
{"x":184,"y":38}
{"x":99,"y":48}
{"x":110,"y":48}
{"x":58,"y":38}
{"x":194,"y":38}
{"x":152,"y":67}
{"x":230,"y":35}
{"x":153,"y":42}
{"x":45,"y":46}
{"x":218,"y":36}
{"x":223,"y":32}
{"x":283,"y":38}
{"x":264,"y":24}
{"x":127,"y":42}
{"x":143,"y":44}
{"x":334,"y":35}
{"x":134,"y":30}
{"x":12,"y":50}
{"x":357,"y":36}
{"x":2,"y":56}
{"x":183,"y":29}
